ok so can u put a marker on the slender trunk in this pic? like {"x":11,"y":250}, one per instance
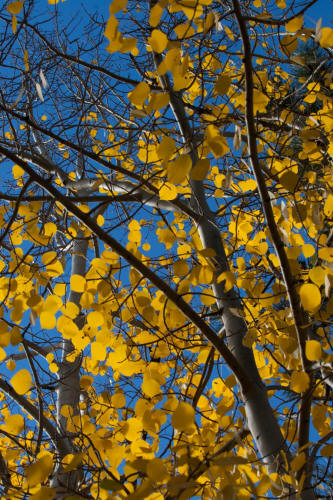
{"x":262,"y":423}
{"x":68,"y":391}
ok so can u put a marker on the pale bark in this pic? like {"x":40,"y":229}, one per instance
{"x":68,"y":388}
{"x":261,"y":421}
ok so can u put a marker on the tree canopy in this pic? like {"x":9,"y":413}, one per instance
{"x":166,"y":250}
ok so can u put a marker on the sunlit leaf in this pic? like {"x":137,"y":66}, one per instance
{"x":116,"y":6}
{"x":328,"y":207}
{"x":295,"y":24}
{"x":156,"y":470}
{"x":313,"y":350}
{"x":77,"y":283}
{"x":71,"y":462}
{"x":118,"y":400}
{"x":168,"y":191}
{"x":44,"y":493}
{"x":183,"y":417}
{"x":310,"y":297}
{"x":326,"y":39}
{"x":299,"y":382}
{"x":15,"y":7}
{"x":17,"y":171}
{"x":15,"y":424}
{"x":298,"y":462}
{"x":155,"y":15}
{"x":317,"y":275}
{"x":222,"y":84}
{"x":139,"y":94}
{"x":158,"y":41}
{"x":40,"y":470}
{"x":179,"y":169}
{"x":327,"y":450}
{"x":21,"y":381}
{"x":47,"y":320}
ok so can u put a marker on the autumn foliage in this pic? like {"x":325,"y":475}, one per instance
{"x":166,"y":250}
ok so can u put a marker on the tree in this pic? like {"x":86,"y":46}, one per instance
{"x":166,"y":258}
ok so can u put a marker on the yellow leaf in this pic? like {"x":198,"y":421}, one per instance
{"x":50,"y":228}
{"x":317,"y":275}
{"x":134,"y":225}
{"x":66,"y":411}
{"x":217,"y":144}
{"x":179,"y":169}
{"x":229,"y":33}
{"x":260,"y":101}
{"x":249,"y":185}
{"x":155,"y":15}
{"x":14,"y":424}
{"x":205,"y":275}
{"x":52,"y":303}
{"x":208,"y":298}
{"x":313,"y":350}
{"x":55,"y":269}
{"x":299,"y":382}
{"x":295,"y":24}
{"x":111,"y":29}
{"x":44,"y":493}
{"x":168,"y":191}
{"x":21,"y":381}
{"x":327,"y":451}
{"x":166,"y":148}
{"x":26,"y":60}
{"x":139,"y":94}
{"x":328,"y":207}
{"x":15,"y":7}
{"x":49,"y":257}
{"x":222,"y":84}
{"x":47,"y":320}
{"x":15,"y":336}
{"x":10,"y":365}
{"x":156,"y":470}
{"x":3,"y":355}
{"x":116,"y":6}
{"x":326,"y":254}
{"x":40,"y":470}
{"x":132,"y":429}
{"x":150,"y":386}
{"x":86,"y":381}
{"x":310,"y":297}
{"x":184,"y":31}
{"x":308,"y":250}
{"x":98,"y":351}
{"x":71,"y":461}
{"x":183,"y":417}
{"x":200,"y":170}
{"x":70,"y":310}
{"x":17,"y":171}
{"x":181,"y":268}
{"x":298,"y":462}
{"x":158,"y":101}
{"x":326,"y":39}
{"x":250,"y":337}
{"x":229,"y":278}
{"x":289,"y":44}
{"x":14,"y":24}
{"x":118,"y":400}
{"x":95,"y":319}
{"x":158,"y":41}
{"x":78,"y":283}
